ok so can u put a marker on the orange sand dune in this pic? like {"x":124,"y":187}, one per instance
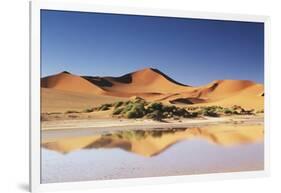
{"x":223,"y":88}
{"x":250,"y":98}
{"x":153,"y":85}
{"x":223,"y":92}
{"x":69,"y":82}
{"x":147,"y":80}
{"x":54,"y":100}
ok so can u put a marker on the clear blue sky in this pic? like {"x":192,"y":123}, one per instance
{"x":191,"y":51}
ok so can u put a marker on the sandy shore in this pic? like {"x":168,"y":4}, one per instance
{"x":117,"y":124}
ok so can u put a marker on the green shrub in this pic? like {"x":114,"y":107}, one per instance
{"x":88,"y":110}
{"x":128,"y":107}
{"x":228,"y":111}
{"x":137,"y":110}
{"x":167,"y":108}
{"x":156,"y":115}
{"x":181,"y":112}
{"x":247,"y":112}
{"x":210,"y":112}
{"x":166,"y":115}
{"x":131,"y":114}
{"x":104,"y":107}
{"x":155,"y":106}
{"x":194,"y":114}
{"x":117,"y":111}
{"x":118,"y":104}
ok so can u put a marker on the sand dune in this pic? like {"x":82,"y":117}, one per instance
{"x":147,"y":80}
{"x":69,"y":82}
{"x":145,"y":83}
{"x":250,"y":98}
{"x":60,"y":101}
{"x":223,"y":88}
{"x":153,"y":85}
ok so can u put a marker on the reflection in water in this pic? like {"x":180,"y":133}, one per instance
{"x":152,"y":142}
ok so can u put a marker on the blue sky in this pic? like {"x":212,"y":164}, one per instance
{"x":191,"y":51}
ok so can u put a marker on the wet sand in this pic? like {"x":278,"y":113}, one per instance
{"x":112,"y":124}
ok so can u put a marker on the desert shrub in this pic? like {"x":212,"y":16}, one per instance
{"x":137,"y":100}
{"x":156,"y":115}
{"x":118,"y":104}
{"x":88,"y":110}
{"x":131,"y":114}
{"x":228,"y":111}
{"x":181,"y":112}
{"x":213,"y":108}
{"x":128,"y":107}
{"x":247,"y":112}
{"x":194,"y":114}
{"x":210,"y":112}
{"x":192,"y":108}
{"x":127,"y":102}
{"x":117,"y":111}
{"x":260,"y":111}
{"x":154,"y":106}
{"x":71,"y":111}
{"x":167,"y":108}
{"x":199,"y":112}
{"x":236,"y":107}
{"x":137,"y":110}
{"x":104,"y":107}
{"x":166,"y":115}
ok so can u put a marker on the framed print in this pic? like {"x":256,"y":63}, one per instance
{"x":126,"y":96}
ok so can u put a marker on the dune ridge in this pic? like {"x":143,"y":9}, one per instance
{"x":69,"y":82}
{"x":153,"y":85}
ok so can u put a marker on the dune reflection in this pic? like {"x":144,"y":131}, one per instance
{"x":152,"y":142}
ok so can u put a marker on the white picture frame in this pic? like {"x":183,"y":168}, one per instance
{"x":36,"y":6}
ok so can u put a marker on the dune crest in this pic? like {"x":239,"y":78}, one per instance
{"x":69,"y":82}
{"x":222,"y":88}
{"x":145,"y":81}
{"x":153,"y":85}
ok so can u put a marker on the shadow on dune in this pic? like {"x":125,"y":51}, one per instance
{"x":125,"y":79}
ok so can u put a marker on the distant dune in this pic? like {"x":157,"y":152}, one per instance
{"x":150,"y":84}
{"x":69,"y":82}
{"x":54,"y":100}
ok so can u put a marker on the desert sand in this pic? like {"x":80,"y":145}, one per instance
{"x":74,"y":124}
{"x":66,"y":91}
{"x":57,"y":100}
{"x":109,"y":123}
